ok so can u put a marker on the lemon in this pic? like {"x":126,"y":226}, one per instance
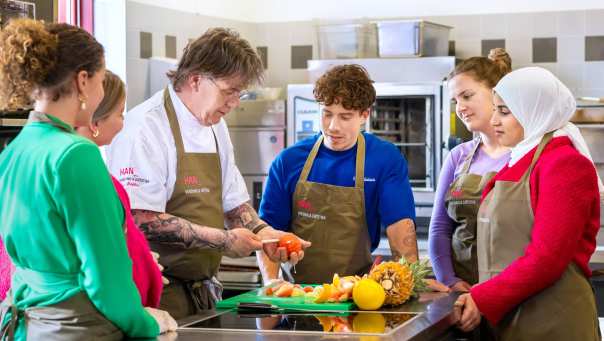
{"x":368,"y":294}
{"x":369,"y":323}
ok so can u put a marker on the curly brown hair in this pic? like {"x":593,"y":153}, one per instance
{"x":348,"y":85}
{"x":35,"y":57}
{"x":488,"y":70}
{"x":219,"y":53}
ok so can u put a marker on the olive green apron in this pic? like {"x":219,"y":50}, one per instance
{"x":462,"y":202}
{"x":333,"y":219}
{"x":197,"y":197}
{"x":564,"y":311}
{"x":75,"y":318}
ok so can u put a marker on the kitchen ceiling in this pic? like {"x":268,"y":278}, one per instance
{"x":264,"y":11}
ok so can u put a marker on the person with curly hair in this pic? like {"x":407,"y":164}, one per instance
{"x":338,"y":188}
{"x":62,"y":221}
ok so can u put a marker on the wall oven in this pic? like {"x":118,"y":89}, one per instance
{"x":412,"y":110}
{"x":257,"y":130}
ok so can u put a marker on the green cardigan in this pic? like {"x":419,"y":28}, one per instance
{"x":61,"y":223}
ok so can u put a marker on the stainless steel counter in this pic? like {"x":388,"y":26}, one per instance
{"x":433,"y":322}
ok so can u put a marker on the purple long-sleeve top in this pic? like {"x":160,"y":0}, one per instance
{"x":441,"y":225}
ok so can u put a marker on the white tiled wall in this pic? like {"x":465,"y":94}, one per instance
{"x":518,"y":29}
{"x":161,"y":22}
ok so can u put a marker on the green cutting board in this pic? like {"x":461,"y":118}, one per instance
{"x":257,"y":296}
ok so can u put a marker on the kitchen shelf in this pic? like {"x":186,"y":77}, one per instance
{"x":386,"y":108}
{"x":590,"y":125}
{"x":410,"y":144}
{"x":384,"y":119}
{"x":12,"y":122}
{"x":387,"y":132}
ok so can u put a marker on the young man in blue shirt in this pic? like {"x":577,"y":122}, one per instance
{"x":338,"y":188}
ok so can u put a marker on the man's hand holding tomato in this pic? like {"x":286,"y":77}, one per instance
{"x":289,"y":248}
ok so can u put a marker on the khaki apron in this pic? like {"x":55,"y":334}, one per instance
{"x":333,"y":219}
{"x":564,"y":311}
{"x":76,"y":318}
{"x":197,"y":197}
{"x":462,"y":202}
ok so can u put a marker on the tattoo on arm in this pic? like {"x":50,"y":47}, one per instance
{"x":244,"y":216}
{"x":168,"y":229}
{"x":403,"y":240}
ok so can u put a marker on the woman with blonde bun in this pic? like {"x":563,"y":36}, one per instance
{"x":466,"y":170}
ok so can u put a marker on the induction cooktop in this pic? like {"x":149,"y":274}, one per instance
{"x":351,"y":323}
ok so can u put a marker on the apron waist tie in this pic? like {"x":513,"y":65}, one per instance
{"x":8,"y":329}
{"x":47,"y":281}
{"x":38,"y":281}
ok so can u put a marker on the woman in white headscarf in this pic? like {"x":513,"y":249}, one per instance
{"x":538,"y":220}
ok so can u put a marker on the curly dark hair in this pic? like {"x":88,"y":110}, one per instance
{"x":348,"y":85}
{"x":35,"y":57}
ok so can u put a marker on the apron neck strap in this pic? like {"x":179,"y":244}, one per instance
{"x":36,"y":116}
{"x":359,"y":165}
{"x":544,"y":141}
{"x":175,"y":127}
{"x":171,"y":113}
{"x":468,"y":160}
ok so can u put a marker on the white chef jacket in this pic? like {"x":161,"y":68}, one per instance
{"x":143,"y":155}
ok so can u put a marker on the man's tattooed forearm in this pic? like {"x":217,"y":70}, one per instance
{"x":409,"y":239}
{"x":243,"y":216}
{"x":403,"y":240}
{"x":168,"y":229}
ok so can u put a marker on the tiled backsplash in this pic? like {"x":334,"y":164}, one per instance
{"x":570,"y":43}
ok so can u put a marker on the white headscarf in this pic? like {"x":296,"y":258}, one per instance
{"x":540,"y":103}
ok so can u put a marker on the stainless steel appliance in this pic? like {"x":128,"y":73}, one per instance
{"x":10,"y":126}
{"x":16,"y":9}
{"x":347,"y":41}
{"x":412,"y":110}
{"x":412,"y":38}
{"x":589,"y":118}
{"x":257,"y":130}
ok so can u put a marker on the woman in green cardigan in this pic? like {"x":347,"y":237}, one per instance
{"x":61,"y":218}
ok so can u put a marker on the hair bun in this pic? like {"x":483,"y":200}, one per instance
{"x":28,"y":52}
{"x":503,"y":60}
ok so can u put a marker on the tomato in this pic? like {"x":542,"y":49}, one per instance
{"x":308,"y":289}
{"x":291,"y":243}
{"x":285,"y":290}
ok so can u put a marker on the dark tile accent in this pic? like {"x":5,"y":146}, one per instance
{"x":263,"y":53}
{"x":545,"y":50}
{"x":146,"y":44}
{"x":171,"y":46}
{"x":300,"y":56}
{"x":452,"y":48}
{"x":488,"y":44}
{"x":594,"y":48}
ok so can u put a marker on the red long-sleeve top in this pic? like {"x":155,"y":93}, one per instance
{"x":566,"y":205}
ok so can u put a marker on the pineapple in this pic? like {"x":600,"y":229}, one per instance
{"x":420,"y":270}
{"x":400,"y":280}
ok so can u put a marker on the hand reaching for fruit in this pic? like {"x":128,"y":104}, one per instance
{"x":287,"y":247}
